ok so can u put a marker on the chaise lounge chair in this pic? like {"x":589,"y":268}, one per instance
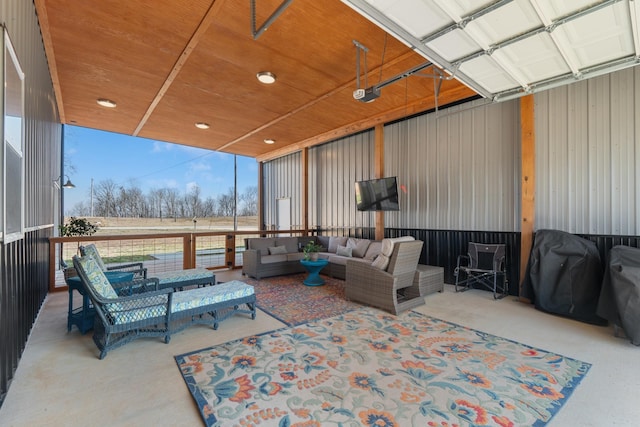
{"x":131,"y":310}
{"x":178,"y":279}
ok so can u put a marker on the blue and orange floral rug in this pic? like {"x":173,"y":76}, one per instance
{"x":369,"y":368}
{"x":287,"y":299}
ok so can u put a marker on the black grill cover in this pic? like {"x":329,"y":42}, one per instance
{"x":564,"y":276}
{"x":620,"y":297}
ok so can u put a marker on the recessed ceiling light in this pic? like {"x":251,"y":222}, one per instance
{"x":269,"y":141}
{"x":106,"y":103}
{"x":266,"y":77}
{"x":202,"y":125}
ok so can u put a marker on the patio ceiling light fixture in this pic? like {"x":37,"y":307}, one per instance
{"x":269,"y":141}
{"x":106,"y":103}
{"x":266,"y":77}
{"x":202,"y":125}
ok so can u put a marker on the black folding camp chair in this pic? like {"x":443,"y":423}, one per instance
{"x":484,"y":264}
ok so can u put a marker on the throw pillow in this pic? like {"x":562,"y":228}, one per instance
{"x":344,"y":251}
{"x":381,"y":262}
{"x":278,"y":250}
{"x":335,"y":241}
{"x":359,"y":246}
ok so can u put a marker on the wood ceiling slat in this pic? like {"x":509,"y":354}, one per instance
{"x":171,"y":64}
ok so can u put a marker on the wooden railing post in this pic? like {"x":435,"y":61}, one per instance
{"x":189,"y":251}
{"x":230,"y":251}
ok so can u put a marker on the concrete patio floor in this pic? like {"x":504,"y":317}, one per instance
{"x":61,"y":382}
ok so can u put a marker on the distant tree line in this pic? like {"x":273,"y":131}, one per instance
{"x":113,"y":200}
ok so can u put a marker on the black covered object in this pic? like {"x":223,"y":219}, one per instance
{"x":620,"y":297}
{"x":564,"y":276}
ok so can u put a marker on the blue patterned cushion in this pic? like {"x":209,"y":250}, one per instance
{"x":92,"y":251}
{"x":183,"y":275}
{"x":155,"y":306}
{"x":96,"y":277}
{"x":209,"y":295}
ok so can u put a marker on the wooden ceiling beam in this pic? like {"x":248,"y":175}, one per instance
{"x":199,"y":33}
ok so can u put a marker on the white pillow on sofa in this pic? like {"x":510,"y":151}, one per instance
{"x":344,"y":251}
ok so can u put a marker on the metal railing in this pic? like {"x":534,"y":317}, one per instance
{"x":159,"y":252}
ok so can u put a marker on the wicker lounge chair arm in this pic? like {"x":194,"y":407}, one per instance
{"x":134,"y":297}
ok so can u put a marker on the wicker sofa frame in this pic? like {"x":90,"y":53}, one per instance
{"x":140,"y":309}
{"x":253,"y":265}
{"x":393,"y":290}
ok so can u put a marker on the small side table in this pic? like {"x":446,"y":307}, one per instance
{"x":82,"y":317}
{"x":314,"y":267}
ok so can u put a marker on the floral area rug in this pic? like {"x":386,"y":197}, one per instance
{"x":368,"y":368}
{"x":287,"y":299}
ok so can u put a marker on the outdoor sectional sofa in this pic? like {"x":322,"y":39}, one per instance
{"x":275,"y":256}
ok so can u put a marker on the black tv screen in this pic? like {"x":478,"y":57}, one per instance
{"x":377,"y":195}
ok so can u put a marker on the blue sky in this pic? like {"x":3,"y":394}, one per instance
{"x":147,"y":164}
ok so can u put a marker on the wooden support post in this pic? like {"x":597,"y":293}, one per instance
{"x":304,"y":158}
{"x":230,"y":251}
{"x":528,"y":185}
{"x":261,"y":224}
{"x":379,"y":171}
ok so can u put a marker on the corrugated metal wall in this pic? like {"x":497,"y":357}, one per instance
{"x":460,"y":168}
{"x":24,"y":263}
{"x":588,"y":156}
{"x":333,"y":170}
{"x":282,"y":179}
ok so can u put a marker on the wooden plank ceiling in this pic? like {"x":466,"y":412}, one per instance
{"x":170,"y":64}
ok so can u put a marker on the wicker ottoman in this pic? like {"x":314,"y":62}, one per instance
{"x":429,"y":278}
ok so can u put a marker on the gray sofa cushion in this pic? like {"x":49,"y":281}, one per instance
{"x":291,"y":243}
{"x":334,"y":242}
{"x":323,"y":241}
{"x":358,"y":246}
{"x":295,"y":256}
{"x":262,"y":244}
{"x":270,"y":259}
{"x":374,"y":249}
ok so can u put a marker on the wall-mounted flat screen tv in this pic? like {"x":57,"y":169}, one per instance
{"x":377,"y":195}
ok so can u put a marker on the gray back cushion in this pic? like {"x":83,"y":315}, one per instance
{"x":291,"y":243}
{"x":262,"y":244}
{"x":358,"y":246}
